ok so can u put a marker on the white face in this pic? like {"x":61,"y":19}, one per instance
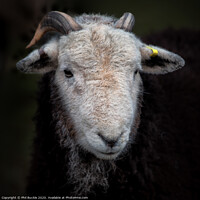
{"x":99,"y":87}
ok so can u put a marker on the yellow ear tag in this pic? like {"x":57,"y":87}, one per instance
{"x":155,"y":51}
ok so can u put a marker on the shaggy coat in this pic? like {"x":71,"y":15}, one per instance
{"x":163,"y":161}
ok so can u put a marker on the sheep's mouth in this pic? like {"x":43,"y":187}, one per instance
{"x":105,"y":155}
{"x":110,"y":153}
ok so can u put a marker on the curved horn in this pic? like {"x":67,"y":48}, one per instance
{"x":54,"y":21}
{"x":126,"y":22}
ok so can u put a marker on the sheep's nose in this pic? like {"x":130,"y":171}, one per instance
{"x":109,"y":142}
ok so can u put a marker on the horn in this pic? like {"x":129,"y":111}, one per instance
{"x":126,"y":22}
{"x":54,"y":21}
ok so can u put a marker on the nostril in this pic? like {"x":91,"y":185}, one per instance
{"x":109,"y":142}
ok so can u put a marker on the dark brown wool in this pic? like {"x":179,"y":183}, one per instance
{"x":163,"y":161}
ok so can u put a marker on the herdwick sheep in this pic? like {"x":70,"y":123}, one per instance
{"x":90,"y":107}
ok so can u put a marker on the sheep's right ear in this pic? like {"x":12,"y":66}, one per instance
{"x":41,"y":60}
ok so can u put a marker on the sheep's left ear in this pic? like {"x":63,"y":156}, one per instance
{"x":156,"y":60}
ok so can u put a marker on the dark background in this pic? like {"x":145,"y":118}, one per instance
{"x":18,"y":20}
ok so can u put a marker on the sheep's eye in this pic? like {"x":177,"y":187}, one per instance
{"x":68,"y":73}
{"x":136,"y":71}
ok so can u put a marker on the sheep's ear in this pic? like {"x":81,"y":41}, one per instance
{"x":41,"y":60}
{"x":156,"y":60}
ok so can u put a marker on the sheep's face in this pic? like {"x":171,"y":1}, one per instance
{"x":97,"y":75}
{"x":99,"y":84}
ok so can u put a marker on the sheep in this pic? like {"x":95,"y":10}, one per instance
{"x":90,"y":108}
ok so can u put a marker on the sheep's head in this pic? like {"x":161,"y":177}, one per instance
{"x":98,"y":63}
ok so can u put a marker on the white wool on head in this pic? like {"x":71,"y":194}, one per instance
{"x":101,"y":97}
